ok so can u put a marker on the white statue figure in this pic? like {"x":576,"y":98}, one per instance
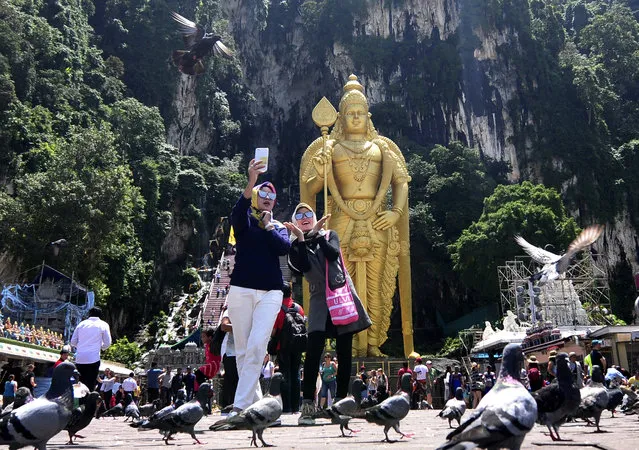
{"x":488,"y":331}
{"x":510,"y":322}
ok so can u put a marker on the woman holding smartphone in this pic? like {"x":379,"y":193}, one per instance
{"x":255,"y":294}
{"x":311,"y":248}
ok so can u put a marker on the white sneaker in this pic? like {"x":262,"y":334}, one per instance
{"x":306,"y":413}
{"x":232,"y":414}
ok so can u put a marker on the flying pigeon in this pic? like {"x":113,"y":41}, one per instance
{"x":454,"y":408}
{"x":82,"y":416}
{"x":392,"y":410}
{"x":131,"y":411}
{"x":38,"y":421}
{"x":504,"y":416}
{"x":179,"y":420}
{"x":23,"y":396}
{"x":594,"y":398}
{"x":342,"y":411}
{"x":199,"y":43}
{"x":555,"y":265}
{"x":149,"y":409}
{"x":558,"y":401}
{"x":258,"y":416}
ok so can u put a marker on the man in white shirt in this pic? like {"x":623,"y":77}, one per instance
{"x":90,"y":336}
{"x":130,"y":385}
{"x":420,"y":372}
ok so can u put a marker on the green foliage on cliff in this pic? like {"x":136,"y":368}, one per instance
{"x":87,"y":162}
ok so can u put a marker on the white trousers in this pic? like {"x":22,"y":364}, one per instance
{"x":252,"y":313}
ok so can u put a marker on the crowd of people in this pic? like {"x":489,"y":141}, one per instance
{"x":31,"y":334}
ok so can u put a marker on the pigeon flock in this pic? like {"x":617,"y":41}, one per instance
{"x":501,"y":420}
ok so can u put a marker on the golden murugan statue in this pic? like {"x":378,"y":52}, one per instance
{"x":361,"y":168}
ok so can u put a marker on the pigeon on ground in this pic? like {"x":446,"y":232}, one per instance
{"x":116,"y":411}
{"x":424,"y":405}
{"x":630,"y":401}
{"x":149,"y":409}
{"x":155,"y":416}
{"x":454,"y":408}
{"x":23,"y":396}
{"x":258,"y":416}
{"x":615,"y":398}
{"x":594,"y":398}
{"x":341,"y":412}
{"x":180,"y":398}
{"x":82,"y":416}
{"x":555,"y":265}
{"x":131,"y":411}
{"x":199,"y":43}
{"x":392,"y":410}
{"x":504,"y":416}
{"x":558,"y":401}
{"x":38,"y":421}
{"x":179,"y":420}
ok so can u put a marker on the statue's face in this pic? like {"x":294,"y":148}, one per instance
{"x":355,"y":119}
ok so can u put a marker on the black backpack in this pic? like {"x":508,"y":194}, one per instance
{"x":293,"y":334}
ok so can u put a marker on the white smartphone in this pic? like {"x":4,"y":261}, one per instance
{"x":261,"y":154}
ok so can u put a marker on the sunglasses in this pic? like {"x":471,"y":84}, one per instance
{"x":269,"y":195}
{"x":308,"y":214}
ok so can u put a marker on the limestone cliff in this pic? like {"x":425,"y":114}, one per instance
{"x":435,"y":63}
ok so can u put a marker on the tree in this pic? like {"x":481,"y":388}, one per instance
{"x":124,"y":352}
{"x":85,"y":194}
{"x":533,"y":211}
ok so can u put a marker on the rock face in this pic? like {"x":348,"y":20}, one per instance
{"x":187,"y":131}
{"x":291,"y":56}
{"x":288,"y":74}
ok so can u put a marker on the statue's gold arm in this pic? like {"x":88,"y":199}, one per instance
{"x":404,"y":275}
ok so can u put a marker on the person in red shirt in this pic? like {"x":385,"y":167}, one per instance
{"x":211,"y":362}
{"x":64,"y":355}
{"x":402,"y":371}
{"x":289,"y":360}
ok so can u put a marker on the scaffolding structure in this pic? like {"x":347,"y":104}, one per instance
{"x":581,"y":289}
{"x":48,"y":299}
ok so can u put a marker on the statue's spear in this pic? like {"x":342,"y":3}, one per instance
{"x":324,"y":115}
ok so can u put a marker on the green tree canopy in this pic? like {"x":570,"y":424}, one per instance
{"x":532,"y":211}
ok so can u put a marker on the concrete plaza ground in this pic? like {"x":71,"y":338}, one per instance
{"x":429,"y":432}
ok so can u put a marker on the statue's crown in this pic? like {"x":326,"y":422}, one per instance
{"x":353,"y":94}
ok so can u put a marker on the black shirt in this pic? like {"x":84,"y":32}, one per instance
{"x":595,"y":358}
{"x":26,"y":380}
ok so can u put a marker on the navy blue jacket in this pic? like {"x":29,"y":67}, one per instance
{"x":257,"y":251}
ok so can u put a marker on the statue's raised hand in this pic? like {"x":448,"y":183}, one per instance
{"x":321,"y":160}
{"x":385,"y":220}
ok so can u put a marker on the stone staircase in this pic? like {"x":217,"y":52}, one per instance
{"x":214,"y":302}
